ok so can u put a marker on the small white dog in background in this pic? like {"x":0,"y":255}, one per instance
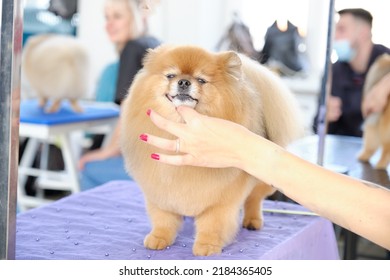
{"x":56,"y":67}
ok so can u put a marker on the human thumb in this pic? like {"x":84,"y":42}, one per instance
{"x":187,"y":113}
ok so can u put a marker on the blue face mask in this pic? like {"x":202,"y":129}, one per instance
{"x":344,"y":50}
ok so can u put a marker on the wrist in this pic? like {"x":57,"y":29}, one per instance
{"x":261,"y":158}
{"x":111,"y":151}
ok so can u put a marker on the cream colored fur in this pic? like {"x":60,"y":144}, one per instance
{"x":56,"y":67}
{"x":237,"y":89}
{"x":376,"y":129}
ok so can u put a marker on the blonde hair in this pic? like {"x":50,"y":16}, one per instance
{"x":139,"y":9}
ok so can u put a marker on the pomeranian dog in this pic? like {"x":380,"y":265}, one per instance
{"x":56,"y":66}
{"x":376,"y":128}
{"x":224,"y":85}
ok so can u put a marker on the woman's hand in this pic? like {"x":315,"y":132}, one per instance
{"x":334,"y":108}
{"x":95,"y":155}
{"x":202,"y":140}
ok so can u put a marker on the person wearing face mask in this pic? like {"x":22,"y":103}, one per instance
{"x":356,"y":53}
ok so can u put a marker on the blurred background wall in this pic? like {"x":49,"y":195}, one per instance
{"x":205,"y":22}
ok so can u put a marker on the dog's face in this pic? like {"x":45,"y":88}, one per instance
{"x":184,"y":89}
{"x":193,"y":77}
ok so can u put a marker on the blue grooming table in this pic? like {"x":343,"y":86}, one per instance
{"x":30,"y":112}
{"x":42,"y":127}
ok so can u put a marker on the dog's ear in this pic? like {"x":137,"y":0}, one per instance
{"x":151,"y":54}
{"x":232,"y":63}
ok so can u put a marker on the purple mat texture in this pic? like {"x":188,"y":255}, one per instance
{"x":110,"y":222}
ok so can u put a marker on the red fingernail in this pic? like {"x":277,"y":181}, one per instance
{"x":143,"y":137}
{"x":155,"y":156}
{"x":148,"y":112}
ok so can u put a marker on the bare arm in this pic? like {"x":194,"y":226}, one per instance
{"x":360,"y":207}
{"x":111,"y":149}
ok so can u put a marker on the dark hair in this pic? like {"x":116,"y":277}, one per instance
{"x":358,"y":13}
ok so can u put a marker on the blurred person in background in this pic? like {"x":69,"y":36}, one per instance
{"x":127,"y":28}
{"x":356,"y":53}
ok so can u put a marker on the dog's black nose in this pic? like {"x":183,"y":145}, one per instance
{"x":184,"y":84}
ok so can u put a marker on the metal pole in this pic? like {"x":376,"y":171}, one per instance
{"x":10,"y":60}
{"x":325,"y":87}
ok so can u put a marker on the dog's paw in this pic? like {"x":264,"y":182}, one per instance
{"x":54,"y":107}
{"x":77,"y":108}
{"x":52,"y":110}
{"x":206,"y":249}
{"x":252,"y":223}
{"x":42,"y":102}
{"x":155,"y":243}
{"x":381,"y":165}
{"x":363,"y":157}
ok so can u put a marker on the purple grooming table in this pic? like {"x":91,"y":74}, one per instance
{"x":110,"y":222}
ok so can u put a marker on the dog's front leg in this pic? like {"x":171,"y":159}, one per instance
{"x":371,"y":142}
{"x":215,"y":228}
{"x":253,"y":216}
{"x":76,"y":106}
{"x":54,"y":107}
{"x":165,"y":226}
{"x":42,"y":102}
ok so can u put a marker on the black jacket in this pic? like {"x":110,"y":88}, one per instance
{"x":130,"y":62}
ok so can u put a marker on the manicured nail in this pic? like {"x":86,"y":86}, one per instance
{"x":155,"y":156}
{"x":148,"y":112}
{"x":144,"y":137}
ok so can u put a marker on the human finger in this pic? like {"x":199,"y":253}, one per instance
{"x":82,"y":161}
{"x":80,"y":164}
{"x":333,"y":114}
{"x":178,"y":160}
{"x":165,"y":124}
{"x":187,"y":113}
{"x":334,"y":102}
{"x":158,"y":142}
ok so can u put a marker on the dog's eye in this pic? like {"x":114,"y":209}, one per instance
{"x":201,"y":81}
{"x":170,"y":76}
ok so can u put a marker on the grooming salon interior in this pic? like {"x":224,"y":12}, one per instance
{"x":67,"y":65}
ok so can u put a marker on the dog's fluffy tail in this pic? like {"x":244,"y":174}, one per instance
{"x":282,"y":117}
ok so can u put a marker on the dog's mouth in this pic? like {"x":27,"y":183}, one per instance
{"x":182,"y":100}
